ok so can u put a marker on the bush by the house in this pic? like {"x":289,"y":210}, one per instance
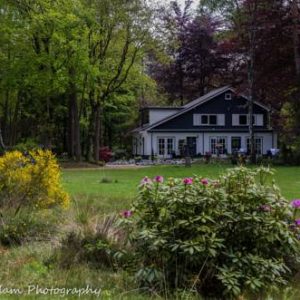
{"x":223,"y":238}
{"x":105,"y":154}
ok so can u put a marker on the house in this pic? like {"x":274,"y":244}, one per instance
{"x":217,"y":122}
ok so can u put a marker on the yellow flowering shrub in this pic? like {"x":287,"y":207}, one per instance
{"x":31,"y":180}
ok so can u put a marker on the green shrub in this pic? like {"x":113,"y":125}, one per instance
{"x":224,"y":237}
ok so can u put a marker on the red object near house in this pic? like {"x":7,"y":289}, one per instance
{"x":105,"y":154}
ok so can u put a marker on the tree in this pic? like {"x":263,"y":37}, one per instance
{"x":195,"y":59}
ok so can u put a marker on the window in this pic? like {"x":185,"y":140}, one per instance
{"x":236,"y":143}
{"x":145,"y":117}
{"x":181,"y":144}
{"x":161,"y":146}
{"x":258,"y":142}
{"x":228,"y":96}
{"x":209,"y":119}
{"x":243,"y":120}
{"x":204,"y":119}
{"x":213,"y":120}
{"x":170,"y":148}
{"x":165,"y":146}
{"x":218,"y":145}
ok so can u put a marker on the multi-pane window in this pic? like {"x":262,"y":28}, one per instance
{"x":181,"y":144}
{"x":170,"y":147}
{"x":161,"y":146}
{"x":209,"y":119}
{"x":218,"y":145}
{"x":166,"y":146}
{"x":257,"y":145}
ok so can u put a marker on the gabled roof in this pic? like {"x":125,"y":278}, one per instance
{"x":191,"y":105}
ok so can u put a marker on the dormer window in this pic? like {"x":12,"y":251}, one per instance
{"x":228,"y":96}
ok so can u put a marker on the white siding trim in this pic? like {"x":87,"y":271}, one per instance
{"x":235,"y":120}
{"x":221,"y":120}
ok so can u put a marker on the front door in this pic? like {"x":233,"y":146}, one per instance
{"x":192,"y":144}
{"x":236,"y":144}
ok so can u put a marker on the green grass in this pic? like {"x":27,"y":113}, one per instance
{"x":97,"y":192}
{"x":121,"y":185}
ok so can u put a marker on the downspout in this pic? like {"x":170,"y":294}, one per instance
{"x":203,"y":143}
{"x":152,"y":153}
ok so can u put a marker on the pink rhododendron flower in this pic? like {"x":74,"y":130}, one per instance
{"x":297,"y":222}
{"x":126,"y":213}
{"x":146,"y":180}
{"x":296,"y":203}
{"x":159,"y":179}
{"x":204,"y":181}
{"x":188,"y":181}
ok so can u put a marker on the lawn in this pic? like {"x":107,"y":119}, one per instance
{"x":122,"y":184}
{"x":101,"y":191}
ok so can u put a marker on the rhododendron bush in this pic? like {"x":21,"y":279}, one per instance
{"x":223,"y":237}
{"x":31,"y":180}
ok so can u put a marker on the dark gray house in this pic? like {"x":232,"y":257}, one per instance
{"x":217,"y":122}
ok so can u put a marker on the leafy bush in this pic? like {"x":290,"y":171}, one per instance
{"x":224,"y":237}
{"x":30,"y":180}
{"x":28,"y":145}
{"x":105,"y":154}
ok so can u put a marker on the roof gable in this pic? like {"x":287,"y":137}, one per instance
{"x":197,"y":102}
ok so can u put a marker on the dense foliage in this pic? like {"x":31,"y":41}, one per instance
{"x":73,"y":74}
{"x":31,"y":195}
{"x":31,"y":180}
{"x":224,"y":237}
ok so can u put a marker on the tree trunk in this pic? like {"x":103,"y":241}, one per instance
{"x":14,"y":127}
{"x":97,"y":121}
{"x":4,"y":124}
{"x":74,"y":147}
{"x":2,"y":146}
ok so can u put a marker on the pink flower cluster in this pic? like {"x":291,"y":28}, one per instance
{"x":204,"y":181}
{"x":296,"y":203}
{"x":146,"y":180}
{"x":188,"y":181}
{"x":126,"y":213}
{"x":158,"y":179}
